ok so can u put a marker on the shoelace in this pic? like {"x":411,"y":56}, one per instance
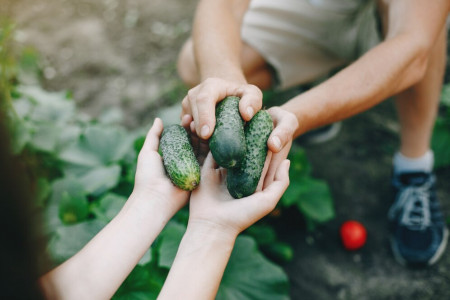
{"x":414,"y":201}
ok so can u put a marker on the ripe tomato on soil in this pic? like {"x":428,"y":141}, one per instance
{"x":353,"y":235}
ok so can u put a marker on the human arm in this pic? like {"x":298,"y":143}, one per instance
{"x":215,"y":221}
{"x":397,"y":63}
{"x":217,"y":51}
{"x":98,"y":270}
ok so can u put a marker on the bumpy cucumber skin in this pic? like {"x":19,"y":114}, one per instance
{"x":242,"y":181}
{"x":179,"y":159}
{"x":227,"y":144}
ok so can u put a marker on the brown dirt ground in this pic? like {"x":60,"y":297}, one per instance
{"x":113,"y":53}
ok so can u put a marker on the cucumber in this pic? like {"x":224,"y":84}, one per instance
{"x":242,"y":181}
{"x":178,"y":157}
{"x":227,"y":143}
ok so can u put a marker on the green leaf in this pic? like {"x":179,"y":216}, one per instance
{"x":61,"y":187}
{"x":23,"y":107}
{"x":43,"y":190}
{"x":100,"y":179}
{"x":98,"y":145}
{"x":50,"y":106}
{"x":440,"y":143}
{"x":263,"y":234}
{"x":21,"y":135}
{"x":143,"y":283}
{"x":279,"y":251}
{"x":300,"y":165}
{"x":108,"y":142}
{"x":249,"y":275}
{"x":315,"y":200}
{"x":108,"y":206}
{"x":445,"y":95}
{"x":170,"y":240}
{"x":73,"y":209}
{"x":45,"y":137}
{"x":68,"y":240}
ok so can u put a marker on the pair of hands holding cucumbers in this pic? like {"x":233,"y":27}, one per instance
{"x":211,"y":200}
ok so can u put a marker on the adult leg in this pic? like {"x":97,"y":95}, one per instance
{"x":417,"y":106}
{"x":419,"y":234}
{"x":255,"y":68}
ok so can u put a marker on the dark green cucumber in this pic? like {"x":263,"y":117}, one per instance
{"x":242,"y":181}
{"x":227,"y":143}
{"x":179,"y":159}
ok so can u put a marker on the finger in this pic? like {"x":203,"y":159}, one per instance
{"x":251,"y":101}
{"x":211,"y":172}
{"x":203,"y":107}
{"x":267,"y":163}
{"x":152,"y":139}
{"x":263,"y":202}
{"x":269,"y":197}
{"x":185,"y":106}
{"x":282,"y":173}
{"x":186,"y":121}
{"x":277,"y":159}
{"x":285,"y":126}
{"x":208,"y":164}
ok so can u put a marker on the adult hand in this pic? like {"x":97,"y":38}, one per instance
{"x":212,"y":206}
{"x":151,"y":182}
{"x":199,"y":105}
{"x":280,"y":140}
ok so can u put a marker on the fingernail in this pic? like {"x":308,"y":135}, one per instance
{"x":250,"y":111}
{"x":276,"y":141}
{"x":205,"y":130}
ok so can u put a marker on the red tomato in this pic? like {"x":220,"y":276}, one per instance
{"x":353,"y":235}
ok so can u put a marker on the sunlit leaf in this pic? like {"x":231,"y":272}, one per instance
{"x":170,"y":239}
{"x":68,"y":240}
{"x":314,"y":199}
{"x":109,"y":206}
{"x":100,"y":179}
{"x":73,"y":210}
{"x":249,"y":275}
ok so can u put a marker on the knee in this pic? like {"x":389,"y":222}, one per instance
{"x":186,"y":65}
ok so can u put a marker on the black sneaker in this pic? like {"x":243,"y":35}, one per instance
{"x":418,"y":231}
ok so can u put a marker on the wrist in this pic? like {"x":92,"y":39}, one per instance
{"x":151,"y":207}
{"x":209,"y":231}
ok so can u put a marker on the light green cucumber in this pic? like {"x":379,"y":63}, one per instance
{"x":179,"y":159}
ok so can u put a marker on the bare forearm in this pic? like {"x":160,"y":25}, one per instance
{"x":379,"y":74}
{"x":217,"y":39}
{"x":411,"y":29}
{"x":98,"y":270}
{"x":199,"y":265}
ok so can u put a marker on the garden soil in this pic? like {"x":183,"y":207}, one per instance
{"x":122,"y":54}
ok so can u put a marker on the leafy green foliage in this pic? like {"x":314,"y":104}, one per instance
{"x":440,"y":142}
{"x":311,"y":196}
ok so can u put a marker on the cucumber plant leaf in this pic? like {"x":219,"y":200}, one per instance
{"x":249,"y":275}
{"x":68,"y":240}
{"x":100,"y":179}
{"x":440,"y":142}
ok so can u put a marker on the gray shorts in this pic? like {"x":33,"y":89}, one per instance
{"x":304,"y":40}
